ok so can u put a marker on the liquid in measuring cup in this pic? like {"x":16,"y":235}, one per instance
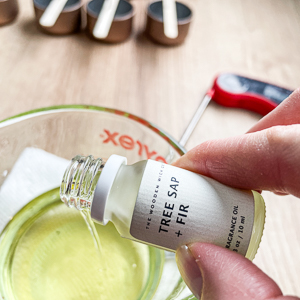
{"x":47,"y":253}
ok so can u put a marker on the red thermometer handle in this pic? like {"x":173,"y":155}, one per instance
{"x":241,"y":92}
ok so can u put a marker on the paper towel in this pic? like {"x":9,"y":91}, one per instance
{"x":34,"y":173}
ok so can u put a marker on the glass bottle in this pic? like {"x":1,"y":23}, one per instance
{"x":164,"y":206}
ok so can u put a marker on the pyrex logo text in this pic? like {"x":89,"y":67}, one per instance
{"x":128,"y":143}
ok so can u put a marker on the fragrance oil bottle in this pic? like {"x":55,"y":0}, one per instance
{"x":164,"y":206}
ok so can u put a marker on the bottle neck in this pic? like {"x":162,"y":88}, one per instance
{"x":80,"y":180}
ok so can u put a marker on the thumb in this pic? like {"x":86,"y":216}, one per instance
{"x":216,"y":273}
{"x":264,"y":160}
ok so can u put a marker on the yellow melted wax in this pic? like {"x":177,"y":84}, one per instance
{"x":53,"y":256}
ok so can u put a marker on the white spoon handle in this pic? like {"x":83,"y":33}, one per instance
{"x":105,"y":19}
{"x":170,"y":19}
{"x":52,"y":12}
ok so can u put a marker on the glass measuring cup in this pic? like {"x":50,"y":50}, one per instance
{"x":69,"y":130}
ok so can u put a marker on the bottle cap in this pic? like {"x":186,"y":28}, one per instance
{"x":104,"y":185}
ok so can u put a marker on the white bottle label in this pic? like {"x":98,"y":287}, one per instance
{"x":176,"y":207}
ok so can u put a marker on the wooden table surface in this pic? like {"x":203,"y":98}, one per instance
{"x":256,"y":38}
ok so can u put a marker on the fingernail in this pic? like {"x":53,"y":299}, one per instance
{"x":189,"y":270}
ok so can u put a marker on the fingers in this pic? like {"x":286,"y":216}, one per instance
{"x":267,"y":158}
{"x":189,"y":270}
{"x":286,"y":113}
{"x":263,"y":160}
{"x":217,"y":273}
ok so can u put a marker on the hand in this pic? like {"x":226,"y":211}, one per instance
{"x":266,"y":158}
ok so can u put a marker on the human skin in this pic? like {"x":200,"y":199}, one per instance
{"x":266,"y":158}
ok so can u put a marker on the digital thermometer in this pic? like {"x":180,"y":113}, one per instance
{"x":232,"y":90}
{"x":241,"y":92}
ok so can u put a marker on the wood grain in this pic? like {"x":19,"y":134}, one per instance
{"x":165,"y":85}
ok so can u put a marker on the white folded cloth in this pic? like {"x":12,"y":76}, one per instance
{"x":34,"y":173}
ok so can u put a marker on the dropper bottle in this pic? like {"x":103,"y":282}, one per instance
{"x":164,"y":206}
